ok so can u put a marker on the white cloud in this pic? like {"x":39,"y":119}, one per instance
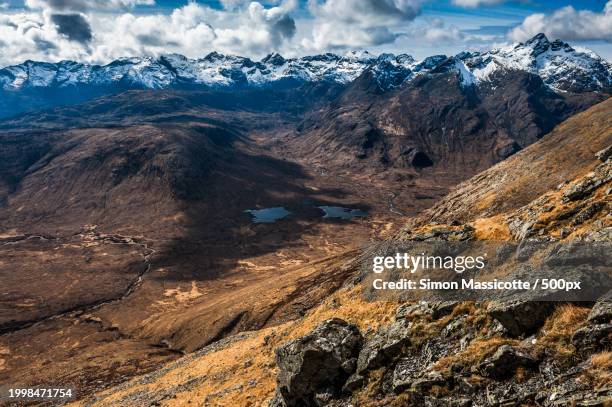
{"x":85,"y":5}
{"x":357,"y":23}
{"x":568,"y":24}
{"x":477,"y":3}
{"x":54,"y":33}
{"x":435,"y":31}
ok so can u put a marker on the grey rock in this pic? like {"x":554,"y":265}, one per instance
{"x":504,"y":362}
{"x":386,"y":345}
{"x":426,"y":382}
{"x":277,"y":400}
{"x":601,"y":175}
{"x":403,"y":375}
{"x":605,"y":154}
{"x":453,"y":327}
{"x":461,"y":403}
{"x":443,"y":308}
{"x":353,"y":383}
{"x":412,"y":309}
{"x":445,"y":234}
{"x":593,"y":337}
{"x":520,"y":317}
{"x":602,"y":310}
{"x":588,"y":212}
{"x":316,"y":364}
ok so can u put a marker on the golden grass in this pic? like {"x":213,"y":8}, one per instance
{"x":493,"y":228}
{"x":599,"y":372}
{"x":477,"y":351}
{"x":225,"y":369}
{"x":558,"y":329}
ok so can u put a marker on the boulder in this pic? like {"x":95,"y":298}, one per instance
{"x":404,"y":374}
{"x":520,"y":317}
{"x":593,"y":337}
{"x":443,"y":308}
{"x":425,"y":383}
{"x":602,"y":310}
{"x":605,"y":154}
{"x":317,"y":365}
{"x":385,"y":346}
{"x":504,"y":362}
{"x":353,"y":383}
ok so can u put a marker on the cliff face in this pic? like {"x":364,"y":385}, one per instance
{"x":350,"y":351}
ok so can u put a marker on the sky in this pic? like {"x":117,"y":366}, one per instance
{"x":99,"y":31}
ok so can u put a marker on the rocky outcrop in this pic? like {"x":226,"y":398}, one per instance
{"x":520,"y":317}
{"x":601,"y":312}
{"x":593,"y":337}
{"x":314,"y":368}
{"x":385,"y":346}
{"x":600,"y":176}
{"x":504,"y":362}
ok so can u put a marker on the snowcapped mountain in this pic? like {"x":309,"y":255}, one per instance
{"x":215,"y":70}
{"x":33,"y":85}
{"x":560,"y":66}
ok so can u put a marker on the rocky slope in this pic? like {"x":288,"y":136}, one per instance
{"x":462,"y":114}
{"x":381,"y":353}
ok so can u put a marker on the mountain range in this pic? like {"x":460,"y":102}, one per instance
{"x":41,"y":84}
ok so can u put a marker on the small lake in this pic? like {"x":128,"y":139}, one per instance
{"x":268,"y":215}
{"x":340,"y":212}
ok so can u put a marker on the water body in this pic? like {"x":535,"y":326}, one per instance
{"x":340,"y":212}
{"x":268,"y":215}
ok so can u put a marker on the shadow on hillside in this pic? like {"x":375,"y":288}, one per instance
{"x":219,"y":232}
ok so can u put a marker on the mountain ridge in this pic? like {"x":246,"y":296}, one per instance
{"x":554,"y":61}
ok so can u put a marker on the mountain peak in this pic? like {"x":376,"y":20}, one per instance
{"x":540,"y":38}
{"x":274,"y":59}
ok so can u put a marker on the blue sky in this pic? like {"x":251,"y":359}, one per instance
{"x":101,"y":30}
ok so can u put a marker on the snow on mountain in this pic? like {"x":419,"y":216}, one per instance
{"x":213,"y":70}
{"x":560,"y":66}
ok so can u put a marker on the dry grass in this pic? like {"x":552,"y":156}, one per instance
{"x":494,"y":228}
{"x":599,"y":372}
{"x":558,"y":329}
{"x":476,"y":352}
{"x":227,"y":375}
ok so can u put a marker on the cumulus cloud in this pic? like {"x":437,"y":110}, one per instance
{"x":367,"y":13}
{"x":53,"y":30}
{"x":35,"y":36}
{"x":568,"y":24}
{"x":435,"y":31}
{"x":357,"y":23}
{"x":477,"y":3}
{"x":85,"y":5}
{"x":74,"y":26}
{"x":259,"y":29}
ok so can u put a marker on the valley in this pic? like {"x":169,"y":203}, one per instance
{"x":164,"y":216}
{"x":192,"y":273}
